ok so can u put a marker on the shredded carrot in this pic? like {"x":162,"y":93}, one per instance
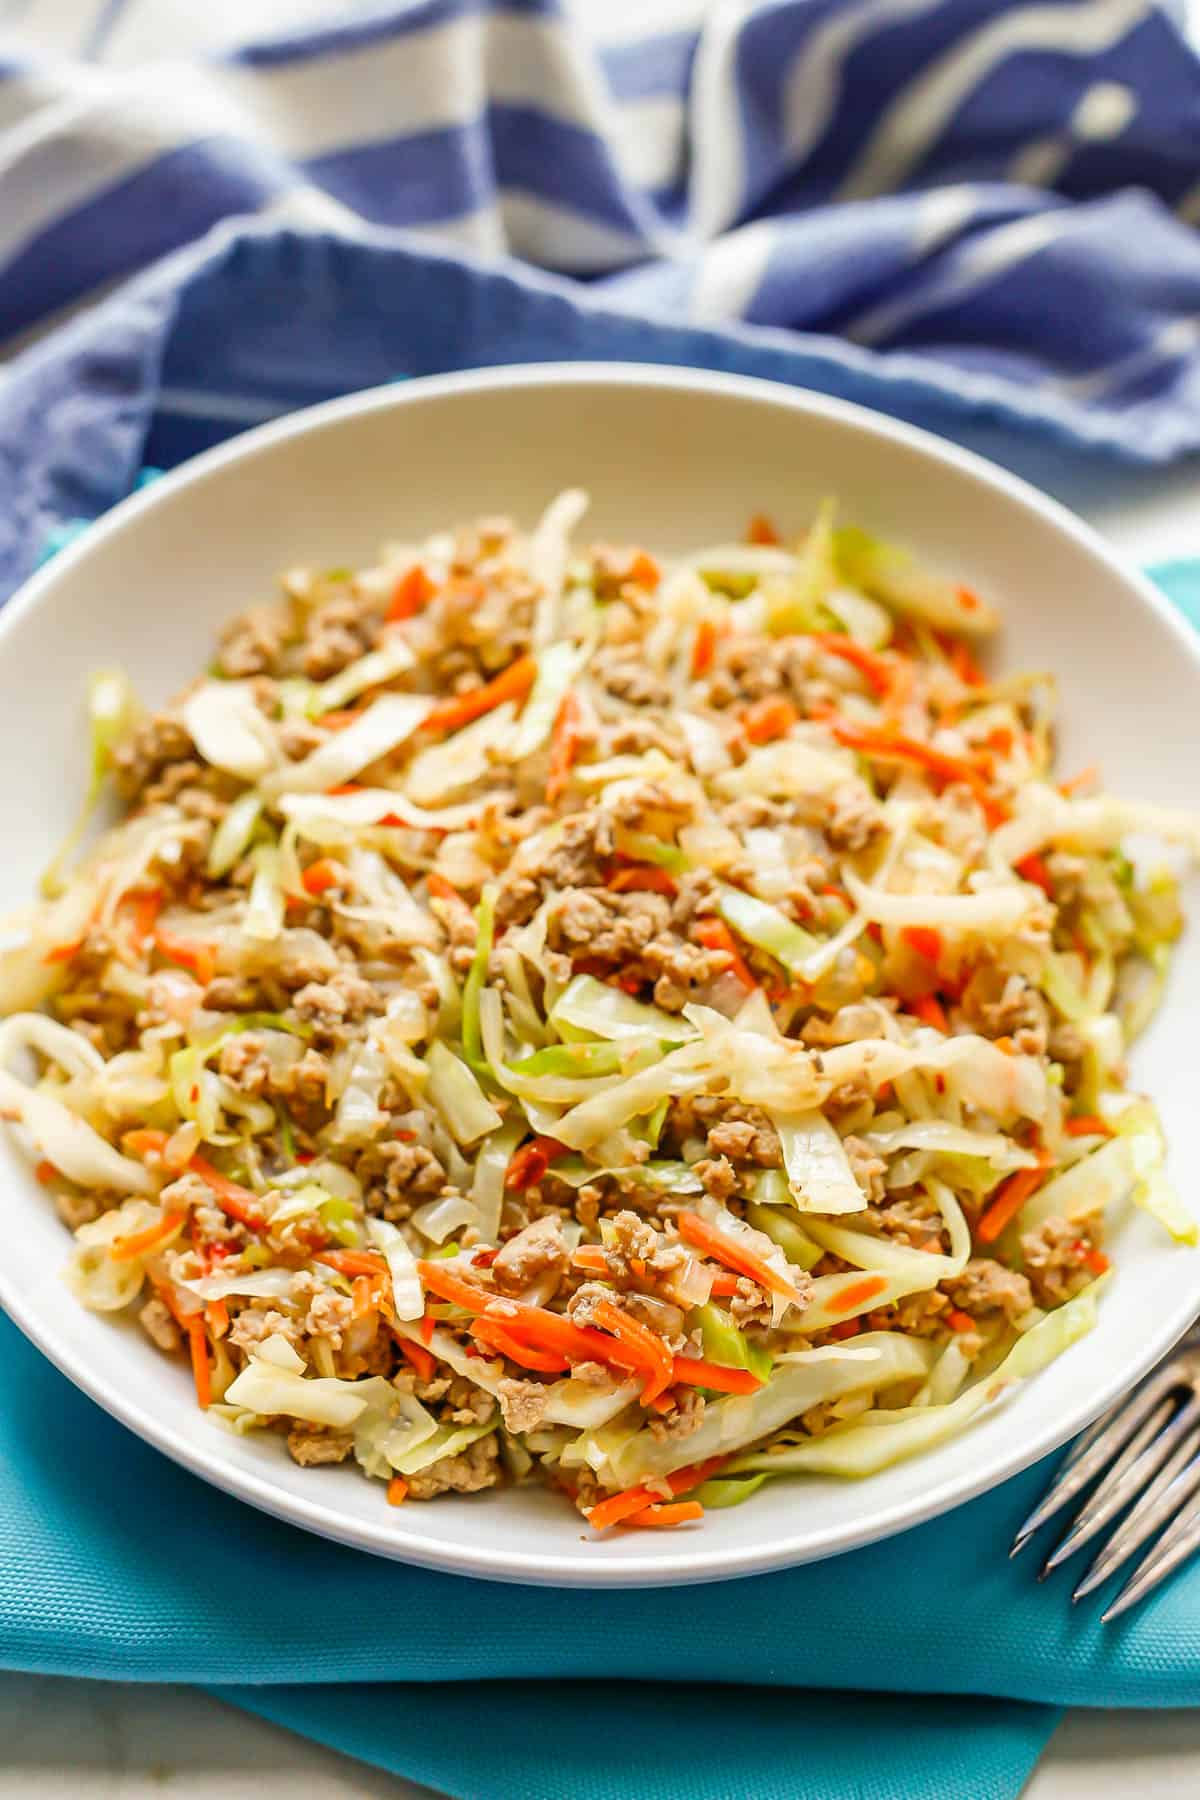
{"x":239,"y":1203}
{"x":615,"y":1507}
{"x":353,"y":1262}
{"x":144,"y":1140}
{"x":969,"y":601}
{"x":860,"y":1292}
{"x":142,"y":908}
{"x":646,"y":1345}
{"x":724,"y":1285}
{"x":339,"y":720}
{"x":959,"y":1320}
{"x":1086,"y":778}
{"x":1087,"y":1125}
{"x":397,"y":1491}
{"x":428,"y":1325}
{"x":198,"y":1346}
{"x":878,"y":671}
{"x":530,"y":1162}
{"x":1097,"y":1262}
{"x":647,"y":880}
{"x":1031,"y":868}
{"x":904,"y":680}
{"x":964,"y":664}
{"x":761,"y":531}
{"x":591,"y":1259}
{"x":422,"y":1360}
{"x":895,"y":746}
{"x":411,"y":594}
{"x":696,"y":1371}
{"x":564,"y":746}
{"x":217,"y":1314}
{"x":440,"y":888}
{"x":200,"y":959}
{"x":704,"y":649}
{"x":45,"y":1172}
{"x":680,"y":1512}
{"x":512,"y":684}
{"x":138,"y":1243}
{"x":930,"y":1011}
{"x":449,"y":1286}
{"x":64,"y":952}
{"x":702,"y":1236}
{"x":1009,"y":1198}
{"x":715,"y":934}
{"x":924,"y":940}
{"x":492,"y":1333}
{"x":768,"y":719}
{"x":322,"y":875}
{"x":644,"y":571}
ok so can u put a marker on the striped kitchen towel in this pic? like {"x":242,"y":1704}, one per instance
{"x":994,"y":200}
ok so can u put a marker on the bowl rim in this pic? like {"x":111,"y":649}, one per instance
{"x":666,"y":1565}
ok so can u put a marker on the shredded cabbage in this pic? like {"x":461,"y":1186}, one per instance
{"x":408,"y":1299}
{"x":228,"y":729}
{"x":112,"y":709}
{"x":819,"y":1172}
{"x":381,"y":728}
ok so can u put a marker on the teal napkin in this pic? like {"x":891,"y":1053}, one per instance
{"x":928,"y":1667}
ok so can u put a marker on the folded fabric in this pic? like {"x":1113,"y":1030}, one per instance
{"x":991,"y":200}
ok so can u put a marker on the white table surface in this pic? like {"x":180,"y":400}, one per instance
{"x":90,"y":1740}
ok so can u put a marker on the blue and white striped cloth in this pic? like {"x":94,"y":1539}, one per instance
{"x":955,"y":209}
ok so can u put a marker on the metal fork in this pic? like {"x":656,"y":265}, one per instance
{"x":1148,"y":1446}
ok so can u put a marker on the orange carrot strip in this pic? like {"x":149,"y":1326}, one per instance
{"x":643,"y":881}
{"x":616,"y":1507}
{"x":45,"y":1172}
{"x":704,"y":649}
{"x":564,"y":746}
{"x":142,"y":908}
{"x":1087,"y":1125}
{"x":239,"y":1203}
{"x":590,"y":1258}
{"x":696,"y":1371}
{"x":859,"y":1292}
{"x":680,"y":1512}
{"x":715,"y":934}
{"x":645,"y":1344}
{"x":200,"y":959}
{"x":322,"y":875}
{"x":125,"y":1249}
{"x":422,"y":1360}
{"x":1086,"y":778}
{"x":878,"y":671}
{"x":924,"y":940}
{"x":761,"y":531}
{"x":768,"y":719}
{"x":1010,"y":1197}
{"x":512,"y":684}
{"x":217,"y":1314}
{"x":353,"y":1262}
{"x":1097,"y":1262}
{"x":411,"y":594}
{"x":64,"y":952}
{"x":930,"y":1011}
{"x":959,"y":1320}
{"x":397,"y":1491}
{"x":440,"y":888}
{"x":198,"y":1346}
{"x":1031,"y":868}
{"x":492,"y":1333}
{"x":702,"y":1236}
{"x":645,"y":571}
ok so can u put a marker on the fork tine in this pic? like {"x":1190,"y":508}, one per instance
{"x":1137,"y":1464}
{"x":1175,"y":1547}
{"x":1162,"y":1500}
{"x":1145,"y":1456}
{"x":1111,"y":1432}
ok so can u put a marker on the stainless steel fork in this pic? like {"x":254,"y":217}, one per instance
{"x":1147,"y":1450}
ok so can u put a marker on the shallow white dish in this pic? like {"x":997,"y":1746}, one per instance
{"x":674,"y":459}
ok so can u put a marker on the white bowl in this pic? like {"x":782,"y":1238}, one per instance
{"x":673,"y":459}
